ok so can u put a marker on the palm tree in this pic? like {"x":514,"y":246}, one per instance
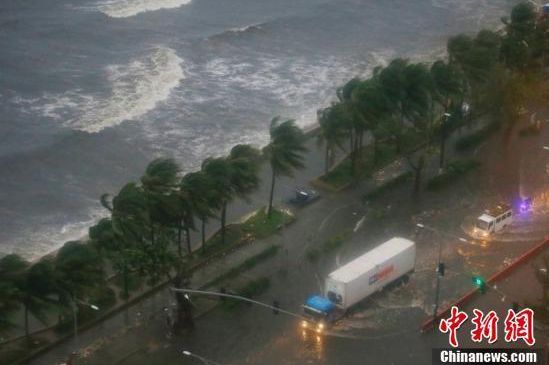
{"x":130,"y":231}
{"x":351,"y":118}
{"x":285,"y":151}
{"x":244,"y":160}
{"x":373,"y":107}
{"x":159,"y":184}
{"x":449,"y":88}
{"x":409,"y":91}
{"x":78,"y":269}
{"x":203,"y":198}
{"x":12,"y":271}
{"x":333,"y":123}
{"x":9,"y":303}
{"x":185,"y":218}
{"x":218,"y":172}
{"x":233,"y":176}
{"x":37,"y":287}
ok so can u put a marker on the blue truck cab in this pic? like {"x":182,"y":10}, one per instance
{"x":319,"y":312}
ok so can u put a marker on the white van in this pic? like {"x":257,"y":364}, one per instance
{"x":493,"y":220}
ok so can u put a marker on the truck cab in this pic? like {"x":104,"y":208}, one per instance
{"x":319,"y":312}
{"x":493,"y":220}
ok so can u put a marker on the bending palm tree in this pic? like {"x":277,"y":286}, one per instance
{"x":218,"y":171}
{"x":285,"y":151}
{"x":203,"y":198}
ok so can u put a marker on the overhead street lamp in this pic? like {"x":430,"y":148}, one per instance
{"x":74,"y":308}
{"x":275,"y":307}
{"x":203,"y":359}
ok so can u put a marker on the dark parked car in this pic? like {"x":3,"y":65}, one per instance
{"x":303,"y":196}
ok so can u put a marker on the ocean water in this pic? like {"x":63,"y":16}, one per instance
{"x":90,"y":91}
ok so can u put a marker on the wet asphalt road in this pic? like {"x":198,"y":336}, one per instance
{"x":384,"y":329}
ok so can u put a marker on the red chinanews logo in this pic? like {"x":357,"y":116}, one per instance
{"x":517,"y":326}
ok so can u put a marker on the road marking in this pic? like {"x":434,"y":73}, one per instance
{"x":325,"y":220}
{"x":359,"y":224}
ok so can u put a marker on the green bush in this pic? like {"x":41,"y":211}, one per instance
{"x":341,"y":176}
{"x":261,"y":226}
{"x":454,"y":171}
{"x":248,"y":264}
{"x":476,"y":138}
{"x":334,"y":242}
{"x":255,"y":287}
{"x":252,"y":289}
{"x":312,"y":255}
{"x":388,"y":185}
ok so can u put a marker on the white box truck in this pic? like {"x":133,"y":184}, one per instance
{"x":360,"y":278}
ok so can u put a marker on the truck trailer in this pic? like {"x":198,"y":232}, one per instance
{"x":360,"y":278}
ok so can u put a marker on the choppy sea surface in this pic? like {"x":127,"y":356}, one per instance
{"x":90,"y":91}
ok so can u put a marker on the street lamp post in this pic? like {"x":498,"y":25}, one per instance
{"x":74,"y":308}
{"x":203,"y":359}
{"x":440,"y":265}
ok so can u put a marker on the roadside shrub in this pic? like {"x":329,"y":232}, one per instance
{"x":454,"y":171}
{"x":255,"y":287}
{"x":388,"y":185}
{"x":248,"y":264}
{"x":334,"y":242}
{"x":312,"y":255}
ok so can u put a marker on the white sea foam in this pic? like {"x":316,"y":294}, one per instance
{"x":129,"y":8}
{"x":35,"y":243}
{"x":136,"y":88}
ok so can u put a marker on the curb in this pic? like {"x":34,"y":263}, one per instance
{"x":532,"y":252}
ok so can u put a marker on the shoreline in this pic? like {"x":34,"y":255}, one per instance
{"x":310,"y":132}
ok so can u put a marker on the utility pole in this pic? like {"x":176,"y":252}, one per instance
{"x":440,"y":265}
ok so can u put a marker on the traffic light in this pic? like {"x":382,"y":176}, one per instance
{"x":441,"y":268}
{"x":479,"y":282}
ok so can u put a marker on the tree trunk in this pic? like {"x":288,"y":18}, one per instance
{"x":179,"y":229}
{"x":417,"y":171}
{"x":125,"y":279}
{"x":442,"y":150}
{"x":183,"y":316}
{"x":376,"y":148}
{"x":353,"y":153}
{"x":327,"y":159}
{"x":188,"y":234}
{"x":223,"y":217}
{"x":203,"y":234}
{"x":271,"y":196}
{"x":27,"y":333}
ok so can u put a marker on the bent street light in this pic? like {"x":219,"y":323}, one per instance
{"x":203,"y":359}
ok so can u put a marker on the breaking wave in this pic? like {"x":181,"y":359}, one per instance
{"x":129,"y":8}
{"x":136,"y":88}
